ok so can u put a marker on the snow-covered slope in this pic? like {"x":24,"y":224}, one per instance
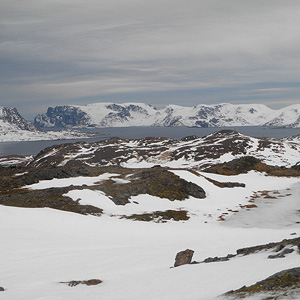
{"x":13,"y":127}
{"x":140,"y":114}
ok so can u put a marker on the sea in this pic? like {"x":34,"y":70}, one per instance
{"x":34,"y":147}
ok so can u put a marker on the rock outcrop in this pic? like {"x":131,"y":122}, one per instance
{"x":286,"y":280}
{"x":183,"y":257}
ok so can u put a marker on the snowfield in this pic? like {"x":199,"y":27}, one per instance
{"x":40,"y":248}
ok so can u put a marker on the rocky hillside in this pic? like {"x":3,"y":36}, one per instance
{"x":190,"y":152}
{"x":140,"y":114}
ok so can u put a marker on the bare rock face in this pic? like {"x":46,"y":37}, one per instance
{"x":183,"y":257}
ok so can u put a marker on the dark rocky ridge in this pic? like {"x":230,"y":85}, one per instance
{"x":156,"y":182}
{"x":249,"y":163}
{"x":51,"y":197}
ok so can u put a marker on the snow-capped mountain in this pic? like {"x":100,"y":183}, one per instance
{"x":291,"y":113}
{"x":13,"y":127}
{"x":140,"y":114}
{"x":99,"y":115}
{"x":11,"y":119}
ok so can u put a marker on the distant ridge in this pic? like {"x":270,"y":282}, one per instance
{"x":141,"y":114}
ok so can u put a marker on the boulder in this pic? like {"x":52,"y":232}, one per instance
{"x":183,"y":257}
{"x":1,"y":289}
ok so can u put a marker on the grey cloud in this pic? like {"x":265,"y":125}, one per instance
{"x":71,"y":51}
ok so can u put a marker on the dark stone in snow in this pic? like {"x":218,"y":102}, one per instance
{"x":183,"y":257}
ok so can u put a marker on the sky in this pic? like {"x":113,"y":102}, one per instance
{"x":64,"y":52}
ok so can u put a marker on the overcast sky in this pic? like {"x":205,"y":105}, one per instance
{"x":185,"y":52}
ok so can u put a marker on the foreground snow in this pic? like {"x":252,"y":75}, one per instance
{"x":42,"y":247}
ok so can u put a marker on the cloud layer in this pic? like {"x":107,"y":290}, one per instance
{"x":184,"y":52}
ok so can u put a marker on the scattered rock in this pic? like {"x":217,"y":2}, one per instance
{"x":219,"y":259}
{"x":250,"y":250}
{"x":277,"y":246}
{"x":160,"y":216}
{"x":183,"y":257}
{"x":85,"y":282}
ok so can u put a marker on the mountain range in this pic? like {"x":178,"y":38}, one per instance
{"x":13,"y":127}
{"x":141,"y":114}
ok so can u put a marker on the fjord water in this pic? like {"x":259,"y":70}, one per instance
{"x":33,"y":147}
